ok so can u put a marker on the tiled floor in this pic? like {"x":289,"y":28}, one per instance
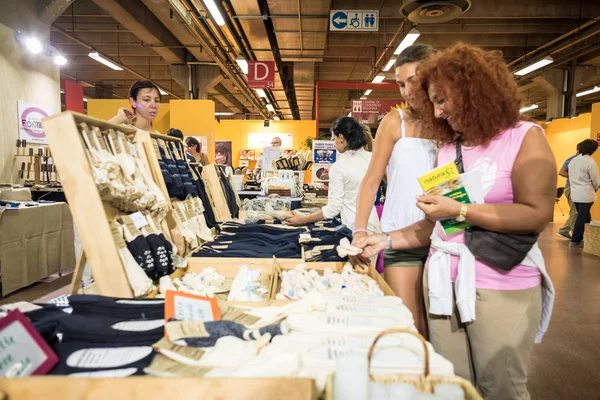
{"x":566,"y":365}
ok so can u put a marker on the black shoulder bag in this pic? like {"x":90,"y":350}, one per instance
{"x":500,"y":250}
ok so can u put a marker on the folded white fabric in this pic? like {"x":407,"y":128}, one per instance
{"x":246,"y":286}
{"x":346,"y":249}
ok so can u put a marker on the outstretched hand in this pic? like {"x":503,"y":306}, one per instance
{"x":372,"y":245}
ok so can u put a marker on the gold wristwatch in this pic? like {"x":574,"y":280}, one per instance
{"x":462,"y":217}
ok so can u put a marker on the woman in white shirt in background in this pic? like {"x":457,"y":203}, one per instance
{"x":345,"y":177}
{"x":584,"y":182}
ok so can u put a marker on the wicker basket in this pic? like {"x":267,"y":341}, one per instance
{"x":424,"y":383}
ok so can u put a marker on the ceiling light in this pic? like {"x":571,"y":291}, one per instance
{"x":408,"y":40}
{"x":378,"y":79}
{"x":270,"y":107}
{"x":33,"y":45}
{"x":162,"y":92}
{"x":389,"y":65}
{"x":62,"y":91}
{"x":276,"y":118}
{"x":214,"y":11}
{"x":536,"y":65}
{"x":224,"y":113}
{"x":100,"y":59}
{"x":586,"y":92}
{"x":368,"y":92}
{"x":85,"y":99}
{"x":261,"y":93}
{"x":59,"y":60}
{"x":243,"y":64}
{"x":528,"y":108}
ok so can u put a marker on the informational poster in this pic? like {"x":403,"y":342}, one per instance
{"x":270,"y":154}
{"x":30,"y":122}
{"x":258,"y":140}
{"x":247,"y":154}
{"x":223,"y":152}
{"x":372,"y":111}
{"x":324,"y":155}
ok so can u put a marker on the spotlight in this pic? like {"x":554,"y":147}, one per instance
{"x":59,"y":60}
{"x":33,"y":45}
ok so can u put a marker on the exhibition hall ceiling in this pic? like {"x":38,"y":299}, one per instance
{"x":149,"y":37}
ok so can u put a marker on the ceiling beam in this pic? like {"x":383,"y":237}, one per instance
{"x":140,"y":21}
{"x":53,"y":10}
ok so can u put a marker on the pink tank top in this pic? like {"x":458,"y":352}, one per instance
{"x":495,"y":162}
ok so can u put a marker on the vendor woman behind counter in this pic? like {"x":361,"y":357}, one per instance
{"x":144,"y":98}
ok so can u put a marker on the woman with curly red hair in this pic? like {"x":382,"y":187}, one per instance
{"x":484,"y":312}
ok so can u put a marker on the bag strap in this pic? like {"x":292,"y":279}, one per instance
{"x":458,"y":161}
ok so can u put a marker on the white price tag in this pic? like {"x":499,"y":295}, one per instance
{"x":132,"y":149}
{"x":305,"y":236}
{"x":139,"y":220}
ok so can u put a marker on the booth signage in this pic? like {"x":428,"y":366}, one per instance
{"x":30,"y":122}
{"x":371,"y":111}
{"x":261,"y":74}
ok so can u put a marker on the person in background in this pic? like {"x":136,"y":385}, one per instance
{"x":567,"y":228}
{"x":144,"y":98}
{"x":585,"y":182}
{"x":490,"y":339}
{"x":403,"y":150}
{"x":174,"y":132}
{"x":345,"y":176}
{"x":194,"y":151}
{"x":275,"y":142}
{"x":368,"y":137}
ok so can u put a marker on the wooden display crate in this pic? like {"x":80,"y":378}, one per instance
{"x":286,"y":265}
{"x":151,"y":388}
{"x":229,"y":267}
{"x":591,"y":239}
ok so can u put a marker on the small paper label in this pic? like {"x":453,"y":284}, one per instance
{"x":138,"y":326}
{"x":113,"y":373}
{"x":132,"y":150}
{"x":107,"y":357}
{"x":185,"y":329}
{"x":305,"y":236}
{"x":189,"y":307}
{"x":138,"y":219}
{"x":164,"y":366}
{"x":164,"y":346}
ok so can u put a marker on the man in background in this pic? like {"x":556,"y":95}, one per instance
{"x":565,"y":231}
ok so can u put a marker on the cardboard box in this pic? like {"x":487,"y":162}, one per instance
{"x":35,"y":242}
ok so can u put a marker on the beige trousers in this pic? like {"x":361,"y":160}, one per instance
{"x":492,"y":351}
{"x":569,"y":225}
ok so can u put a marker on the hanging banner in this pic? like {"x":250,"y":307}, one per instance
{"x":261,"y":74}
{"x":372,"y":111}
{"x":324,"y":155}
{"x":30,"y":122}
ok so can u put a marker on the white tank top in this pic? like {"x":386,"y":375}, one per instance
{"x":410,"y":159}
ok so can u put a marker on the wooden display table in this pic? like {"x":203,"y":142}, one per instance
{"x":149,"y":388}
{"x":591,"y":239}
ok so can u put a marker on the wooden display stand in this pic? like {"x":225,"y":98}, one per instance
{"x":213,"y":187}
{"x":90,"y":213}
